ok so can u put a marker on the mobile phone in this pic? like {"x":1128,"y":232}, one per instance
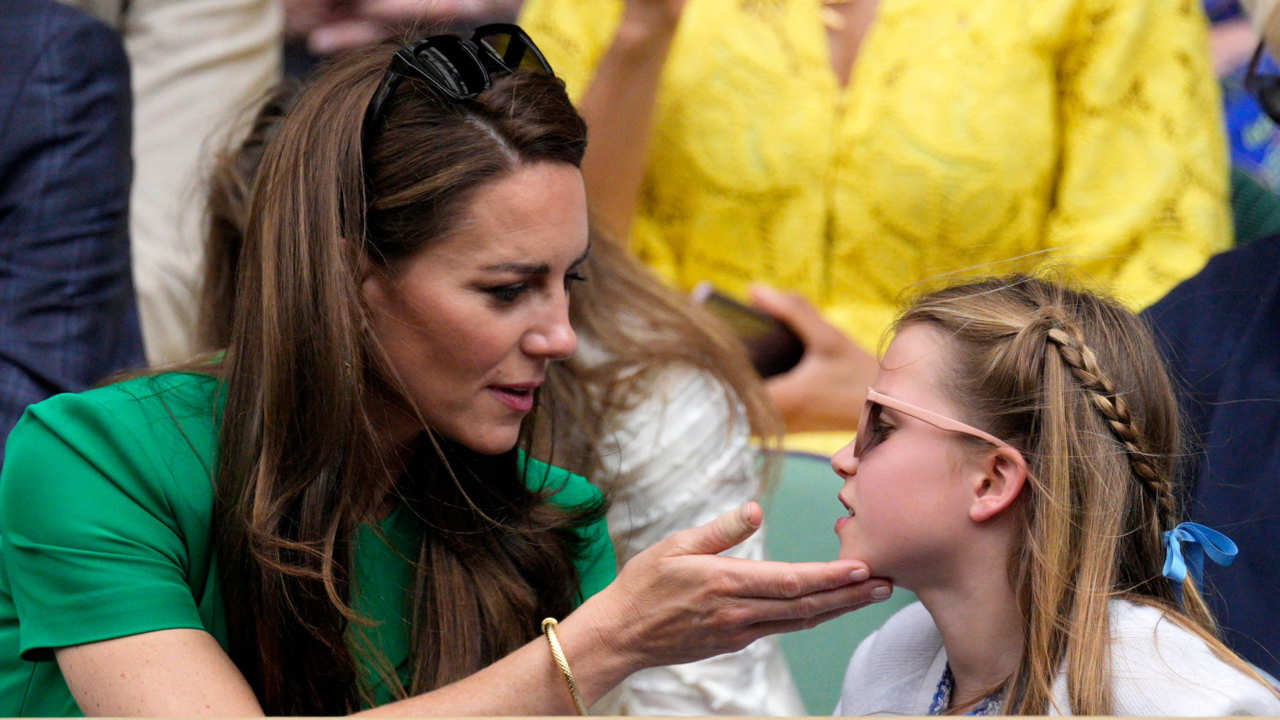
{"x":771,"y":345}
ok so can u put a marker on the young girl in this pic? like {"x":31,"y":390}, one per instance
{"x":1014,"y":467}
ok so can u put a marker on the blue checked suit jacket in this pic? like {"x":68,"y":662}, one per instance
{"x":68,"y":315}
{"x":1220,"y":331}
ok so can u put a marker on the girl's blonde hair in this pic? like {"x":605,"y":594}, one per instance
{"x":1075,"y":382}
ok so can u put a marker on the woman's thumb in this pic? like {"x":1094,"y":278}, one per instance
{"x":724,"y":532}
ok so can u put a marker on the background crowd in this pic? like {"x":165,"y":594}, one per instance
{"x":819,"y":159}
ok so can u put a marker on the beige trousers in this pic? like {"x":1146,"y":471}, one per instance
{"x":196,"y":66}
{"x":1265,"y":19}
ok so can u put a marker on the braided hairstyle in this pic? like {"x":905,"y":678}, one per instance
{"x":1111,"y":405}
{"x":1075,"y":382}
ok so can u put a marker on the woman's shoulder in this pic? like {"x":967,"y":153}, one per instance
{"x":1158,"y":666}
{"x":566,"y":488}
{"x":141,"y":436}
{"x":150,"y":407}
{"x":673,"y":398}
{"x":684,"y":446}
{"x":184,"y":392}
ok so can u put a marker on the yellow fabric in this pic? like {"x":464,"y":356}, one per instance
{"x":975,"y":136}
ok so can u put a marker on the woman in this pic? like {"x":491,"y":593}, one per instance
{"x":846,"y":150}
{"x":332,"y":516}
{"x":657,"y":407}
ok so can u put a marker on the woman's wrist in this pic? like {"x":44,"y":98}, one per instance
{"x":599,"y":652}
{"x":645,"y":30}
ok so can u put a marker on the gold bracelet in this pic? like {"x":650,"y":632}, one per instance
{"x":557,"y":654}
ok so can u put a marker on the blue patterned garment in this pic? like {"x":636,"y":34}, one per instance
{"x":68,"y":317}
{"x":1219,"y":10}
{"x":1254,"y":141}
{"x":990,"y":705}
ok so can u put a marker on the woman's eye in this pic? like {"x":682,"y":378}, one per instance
{"x":507,"y":294}
{"x":573,"y":277}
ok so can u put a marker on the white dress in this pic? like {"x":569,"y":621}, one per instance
{"x":1157,"y":668}
{"x":680,"y":458}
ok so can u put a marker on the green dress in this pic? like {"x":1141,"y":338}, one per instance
{"x":106,"y":504}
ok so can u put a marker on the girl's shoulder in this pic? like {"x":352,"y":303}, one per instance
{"x":895,"y":669}
{"x":1160,"y":667}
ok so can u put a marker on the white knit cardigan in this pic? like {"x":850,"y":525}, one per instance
{"x":1157,"y":668}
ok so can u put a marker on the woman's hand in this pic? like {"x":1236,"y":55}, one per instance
{"x":331,"y":26}
{"x":826,"y":389}
{"x":651,"y":15}
{"x":678,"y":601}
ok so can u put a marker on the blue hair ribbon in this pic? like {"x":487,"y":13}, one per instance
{"x":1185,"y":548}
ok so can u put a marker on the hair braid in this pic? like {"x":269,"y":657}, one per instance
{"x":1103,"y":396}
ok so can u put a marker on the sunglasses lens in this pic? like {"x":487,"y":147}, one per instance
{"x":866,"y":423}
{"x":514,"y":50}
{"x":453,"y":67}
{"x":1269,"y":98}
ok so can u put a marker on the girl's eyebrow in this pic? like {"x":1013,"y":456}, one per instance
{"x":534,"y":269}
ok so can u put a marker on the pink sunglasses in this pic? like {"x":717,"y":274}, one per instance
{"x":876,"y":401}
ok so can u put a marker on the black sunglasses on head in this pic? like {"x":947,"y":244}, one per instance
{"x":456,"y":68}
{"x":1266,"y":88}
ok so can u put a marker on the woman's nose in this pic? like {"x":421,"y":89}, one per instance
{"x":553,"y":339}
{"x":844,"y":462}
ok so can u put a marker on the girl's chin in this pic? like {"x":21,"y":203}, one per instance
{"x":851,"y":554}
{"x":851,"y":550}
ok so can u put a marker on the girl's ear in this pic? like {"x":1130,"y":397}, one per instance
{"x":1004,"y":473}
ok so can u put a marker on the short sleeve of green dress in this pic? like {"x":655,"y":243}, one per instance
{"x":106,"y":503}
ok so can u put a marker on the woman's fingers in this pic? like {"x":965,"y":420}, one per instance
{"x":764,"y":610}
{"x":345,"y":34}
{"x":771,"y":579}
{"x":825,"y":390}
{"x":755,"y":632}
{"x":752,"y":578}
{"x":737,"y":622}
{"x":800,"y":315}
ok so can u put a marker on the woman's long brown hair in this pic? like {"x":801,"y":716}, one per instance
{"x":303,"y":460}
{"x":1075,"y":382}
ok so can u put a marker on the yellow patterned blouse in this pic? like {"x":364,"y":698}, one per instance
{"x":974,"y":135}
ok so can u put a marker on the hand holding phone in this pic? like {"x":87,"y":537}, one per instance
{"x":772,"y":346}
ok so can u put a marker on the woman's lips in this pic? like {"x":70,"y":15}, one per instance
{"x":516,"y":397}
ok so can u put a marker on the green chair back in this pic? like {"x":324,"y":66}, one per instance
{"x":1255,"y":209}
